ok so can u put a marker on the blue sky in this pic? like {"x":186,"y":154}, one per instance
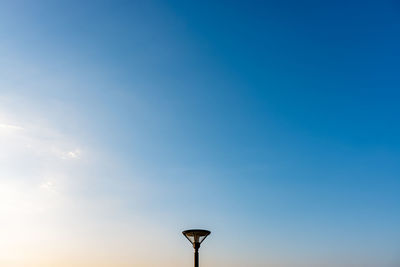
{"x":277,"y":121}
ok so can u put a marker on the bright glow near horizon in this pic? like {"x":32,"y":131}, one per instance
{"x":43,"y":223}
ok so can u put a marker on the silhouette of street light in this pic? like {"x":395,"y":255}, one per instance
{"x":196,"y":236}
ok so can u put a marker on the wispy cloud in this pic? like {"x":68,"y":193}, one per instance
{"x":10,"y":127}
{"x":74,"y":154}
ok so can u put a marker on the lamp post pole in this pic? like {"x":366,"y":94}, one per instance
{"x":196,"y":254}
{"x":196,"y":236}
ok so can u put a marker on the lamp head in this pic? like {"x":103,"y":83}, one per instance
{"x":196,"y":236}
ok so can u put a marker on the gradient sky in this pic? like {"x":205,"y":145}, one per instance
{"x":274,"y":124}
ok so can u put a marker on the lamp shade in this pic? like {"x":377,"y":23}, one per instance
{"x":196,"y":235}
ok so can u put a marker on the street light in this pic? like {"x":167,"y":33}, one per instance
{"x":196,"y":236}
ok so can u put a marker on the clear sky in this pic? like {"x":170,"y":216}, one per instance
{"x":274,"y":124}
